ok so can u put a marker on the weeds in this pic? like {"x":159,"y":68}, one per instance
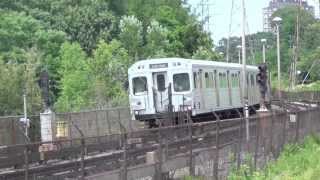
{"x":296,"y":162}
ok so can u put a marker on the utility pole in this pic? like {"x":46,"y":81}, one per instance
{"x":277,"y":21}
{"x":244,"y":72}
{"x":229,"y":35}
{"x":264,"y":49}
{"x":205,"y":14}
{"x":297,"y":48}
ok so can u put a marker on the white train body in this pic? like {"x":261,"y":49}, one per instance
{"x":203,"y":86}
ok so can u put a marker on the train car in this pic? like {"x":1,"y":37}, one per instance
{"x":201,"y":86}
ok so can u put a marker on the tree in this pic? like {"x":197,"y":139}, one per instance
{"x":109,"y":67}
{"x":206,"y":54}
{"x":131,"y":35}
{"x":75,"y":79}
{"x":17,"y":79}
{"x":157,"y":40}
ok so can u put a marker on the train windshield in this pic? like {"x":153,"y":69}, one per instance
{"x":139,"y":85}
{"x":181,"y":82}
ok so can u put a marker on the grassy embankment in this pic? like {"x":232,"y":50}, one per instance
{"x":296,"y":162}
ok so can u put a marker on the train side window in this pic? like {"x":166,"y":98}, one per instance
{"x":234,"y":80}
{"x":195,"y":80}
{"x":211,"y":79}
{"x":223,"y":83}
{"x":207,"y":80}
{"x":139,"y":85}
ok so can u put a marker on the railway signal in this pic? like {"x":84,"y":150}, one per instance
{"x":262,"y":80}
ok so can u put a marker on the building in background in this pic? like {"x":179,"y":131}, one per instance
{"x":274,"y":5}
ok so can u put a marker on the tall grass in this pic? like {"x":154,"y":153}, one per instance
{"x":296,"y":162}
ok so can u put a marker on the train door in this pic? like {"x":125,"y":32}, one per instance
{"x":223,"y":90}
{"x":160,"y":91}
{"x":229,"y":88}
{"x":235,"y":88}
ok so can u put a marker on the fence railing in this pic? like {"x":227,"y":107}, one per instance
{"x":207,"y":149}
{"x":92,"y":123}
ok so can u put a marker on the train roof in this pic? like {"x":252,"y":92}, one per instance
{"x":192,"y":62}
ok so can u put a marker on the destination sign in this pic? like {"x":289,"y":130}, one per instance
{"x":157,"y":66}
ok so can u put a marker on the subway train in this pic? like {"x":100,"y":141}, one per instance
{"x":199,"y":86}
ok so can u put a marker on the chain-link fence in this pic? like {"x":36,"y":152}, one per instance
{"x":209,"y":149}
{"x":92,"y":123}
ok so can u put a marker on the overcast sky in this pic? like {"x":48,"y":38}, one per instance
{"x":221,"y":13}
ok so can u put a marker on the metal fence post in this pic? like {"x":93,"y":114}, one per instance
{"x":284,"y":131}
{"x":257,"y":142}
{"x":83,"y":151}
{"x":271,"y":133}
{"x":159,"y":175}
{"x":216,"y":155}
{"x":108,"y":121}
{"x":297,"y":128}
{"x":26,"y":162}
{"x":239,"y":140}
{"x":97,"y":127}
{"x":70,"y":129}
{"x":191,"y":168}
{"x":124,"y":138}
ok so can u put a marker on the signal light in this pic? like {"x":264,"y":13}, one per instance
{"x":262,"y":80}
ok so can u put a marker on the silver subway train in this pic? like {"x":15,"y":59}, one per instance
{"x":201,"y":86}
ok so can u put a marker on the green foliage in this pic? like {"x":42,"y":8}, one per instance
{"x":15,"y":80}
{"x":206,"y":54}
{"x":131,"y":35}
{"x":295,"y":162}
{"x":157,"y":40}
{"x":109,"y":67}
{"x":87,"y":46}
{"x":75,"y":80}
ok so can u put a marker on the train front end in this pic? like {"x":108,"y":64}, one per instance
{"x":157,"y":84}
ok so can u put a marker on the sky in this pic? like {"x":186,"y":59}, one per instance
{"x":220,"y":11}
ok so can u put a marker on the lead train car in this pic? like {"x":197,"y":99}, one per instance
{"x":202,"y":86}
